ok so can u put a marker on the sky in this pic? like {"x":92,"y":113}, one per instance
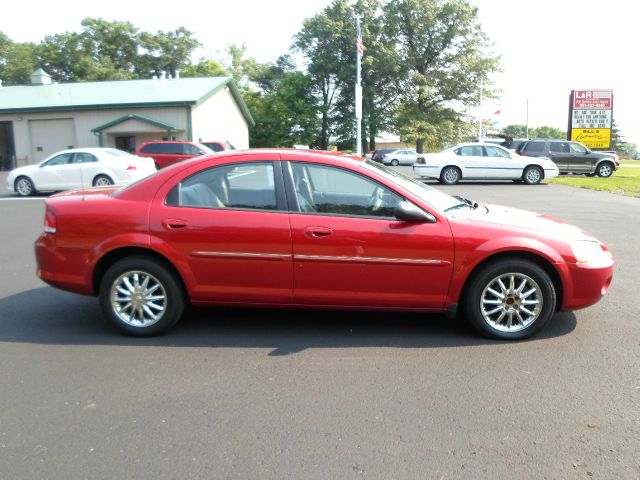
{"x":547,"y":47}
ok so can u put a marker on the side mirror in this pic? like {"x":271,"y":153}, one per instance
{"x":408,"y":212}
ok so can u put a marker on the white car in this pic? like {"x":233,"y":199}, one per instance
{"x":400,"y":157}
{"x":477,"y":161}
{"x":79,"y":168}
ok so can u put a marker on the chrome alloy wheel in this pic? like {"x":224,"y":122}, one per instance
{"x":24,"y":186}
{"x":450,"y":175}
{"x":138,"y":299}
{"x":511,"y":302}
{"x":103,"y":181}
{"x":533,"y":176}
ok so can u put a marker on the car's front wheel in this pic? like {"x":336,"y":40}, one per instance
{"x":141,"y":297}
{"x":450,"y":175}
{"x":532,"y":175}
{"x":605,"y":169}
{"x":510,"y":299}
{"x":394,"y":162}
{"x":24,"y":186}
{"x":102,"y":181}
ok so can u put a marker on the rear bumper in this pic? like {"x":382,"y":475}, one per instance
{"x":59,"y":268}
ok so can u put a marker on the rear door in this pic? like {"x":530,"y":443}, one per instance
{"x":561,"y":154}
{"x":472,"y":162}
{"x":229,"y":227}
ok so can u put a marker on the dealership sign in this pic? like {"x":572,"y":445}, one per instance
{"x":590,"y":116}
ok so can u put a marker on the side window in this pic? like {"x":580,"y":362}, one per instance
{"x":216,"y":147}
{"x":84,"y":157}
{"x":62,"y":159}
{"x":245,"y":185}
{"x":534,"y":147}
{"x":577,"y":148}
{"x":152,"y":148}
{"x":497,"y":152}
{"x":559,"y":147}
{"x":470,"y":151}
{"x":189,"y":149}
{"x":330,"y":190}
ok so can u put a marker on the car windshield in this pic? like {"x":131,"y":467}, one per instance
{"x":439,"y":200}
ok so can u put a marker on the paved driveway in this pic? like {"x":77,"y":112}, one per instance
{"x":305,"y":395}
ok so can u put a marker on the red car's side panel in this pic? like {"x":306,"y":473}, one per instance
{"x":88,"y":228}
{"x":227,"y":255}
{"x":371,"y":262}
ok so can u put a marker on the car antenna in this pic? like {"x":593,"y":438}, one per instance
{"x":81,"y":180}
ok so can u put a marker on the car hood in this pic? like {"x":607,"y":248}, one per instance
{"x":525,"y":220}
{"x":26,"y":170}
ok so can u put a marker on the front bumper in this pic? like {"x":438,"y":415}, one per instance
{"x":586,"y":284}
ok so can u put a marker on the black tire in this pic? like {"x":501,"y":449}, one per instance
{"x":24,"y":186}
{"x":526,"y":318}
{"x":395,"y":162}
{"x":102,"y":181}
{"x":532,"y":175}
{"x":450,"y":175}
{"x":159,"y":291}
{"x":605,"y":169}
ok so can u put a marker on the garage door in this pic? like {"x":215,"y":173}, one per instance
{"x":50,"y":136}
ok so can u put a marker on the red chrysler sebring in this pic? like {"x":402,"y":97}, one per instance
{"x":299,"y":229}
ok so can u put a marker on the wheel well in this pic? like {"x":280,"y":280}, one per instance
{"x":539,"y":261}
{"x":112,"y":257}
{"x":604,"y":160}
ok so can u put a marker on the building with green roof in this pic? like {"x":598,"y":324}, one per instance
{"x":42,"y":118}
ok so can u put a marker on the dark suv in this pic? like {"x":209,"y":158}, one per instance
{"x":571,"y":157}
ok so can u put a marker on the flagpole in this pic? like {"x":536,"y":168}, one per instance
{"x":480,"y":114}
{"x":358,"y":92}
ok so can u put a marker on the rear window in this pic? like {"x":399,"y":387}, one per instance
{"x":533,"y":147}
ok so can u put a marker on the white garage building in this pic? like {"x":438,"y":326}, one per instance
{"x":39,"y":119}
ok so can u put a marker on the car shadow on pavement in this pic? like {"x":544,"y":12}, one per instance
{"x":53,"y":317}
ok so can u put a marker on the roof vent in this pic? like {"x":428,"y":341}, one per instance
{"x":40,"y":77}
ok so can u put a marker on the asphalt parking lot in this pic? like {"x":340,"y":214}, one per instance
{"x":269,"y":394}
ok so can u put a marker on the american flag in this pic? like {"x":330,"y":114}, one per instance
{"x":359,"y":42}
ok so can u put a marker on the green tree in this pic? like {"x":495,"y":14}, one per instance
{"x":547,"y":132}
{"x":165,"y":52}
{"x":204,"y":68}
{"x":443,"y":53}
{"x":516,"y":131}
{"x":17,"y":61}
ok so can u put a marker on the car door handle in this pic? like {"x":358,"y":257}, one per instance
{"x":174,"y":223}
{"x":317,"y":232}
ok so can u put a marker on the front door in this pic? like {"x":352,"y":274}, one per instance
{"x":229,"y":227}
{"x":349,"y":250}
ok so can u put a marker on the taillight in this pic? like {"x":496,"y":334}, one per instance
{"x":131,"y":167}
{"x":50,"y":222}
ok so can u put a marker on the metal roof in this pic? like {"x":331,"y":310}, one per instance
{"x":116,"y":94}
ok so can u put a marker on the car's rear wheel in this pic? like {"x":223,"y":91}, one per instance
{"x":24,"y":186}
{"x":510,"y":299}
{"x":395,"y":162}
{"x":141,"y":297}
{"x":102,"y":181}
{"x":450,"y":175}
{"x":532,"y":175}
{"x":605,"y":169}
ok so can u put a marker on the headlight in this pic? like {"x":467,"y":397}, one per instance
{"x":589,"y":251}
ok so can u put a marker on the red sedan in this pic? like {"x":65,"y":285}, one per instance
{"x":300,"y":229}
